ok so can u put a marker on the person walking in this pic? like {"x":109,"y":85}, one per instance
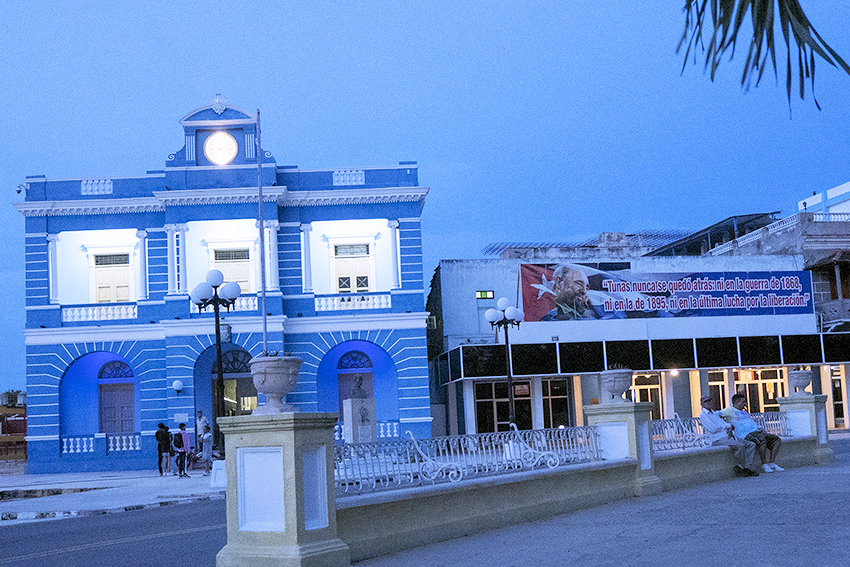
{"x":200,"y":422}
{"x":163,"y":448}
{"x":181,"y":443}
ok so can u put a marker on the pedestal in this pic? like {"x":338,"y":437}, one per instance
{"x":358,"y":420}
{"x":624,"y":434}
{"x":281,"y":509}
{"x":805,"y":416}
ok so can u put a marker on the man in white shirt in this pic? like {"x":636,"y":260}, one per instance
{"x":720,"y":433}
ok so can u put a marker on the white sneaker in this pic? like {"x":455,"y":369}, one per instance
{"x":775,"y":468}
{"x":766,"y":468}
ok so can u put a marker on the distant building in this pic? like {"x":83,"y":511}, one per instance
{"x":110,"y":262}
{"x":688,"y":319}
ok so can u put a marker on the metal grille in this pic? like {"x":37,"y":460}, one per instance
{"x":230,"y":255}
{"x":112,"y":259}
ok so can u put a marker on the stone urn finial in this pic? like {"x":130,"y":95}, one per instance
{"x":275,"y":377}
{"x":799,"y":379}
{"x":613,"y":384}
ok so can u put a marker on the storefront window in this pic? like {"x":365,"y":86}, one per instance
{"x":556,"y":404}
{"x":763,"y":388}
{"x":492,"y":409}
{"x":647,"y":388}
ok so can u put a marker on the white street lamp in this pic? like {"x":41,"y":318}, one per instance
{"x":506,"y":316}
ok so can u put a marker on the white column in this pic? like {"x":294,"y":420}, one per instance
{"x":142,"y":286}
{"x":52,"y":280}
{"x":393,"y":226}
{"x":537,"y":409}
{"x":306,"y":266}
{"x":272,"y":260}
{"x":171,"y":233}
{"x":183,"y":284}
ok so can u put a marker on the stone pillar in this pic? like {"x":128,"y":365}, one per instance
{"x":624,"y":434}
{"x":52,"y":274}
{"x":805,"y":416}
{"x":142,"y":282}
{"x":307,"y":268}
{"x":393,"y":226}
{"x":281,"y":509}
{"x":358,"y":420}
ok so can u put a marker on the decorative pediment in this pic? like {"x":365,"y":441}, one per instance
{"x":219,"y":112}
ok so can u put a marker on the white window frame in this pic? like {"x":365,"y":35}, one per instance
{"x":100,"y":250}
{"x":251,"y":244}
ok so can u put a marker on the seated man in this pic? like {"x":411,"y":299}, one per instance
{"x":720,"y":433}
{"x":744,"y":427}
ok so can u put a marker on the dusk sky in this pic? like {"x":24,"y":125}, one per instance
{"x":552,"y":121}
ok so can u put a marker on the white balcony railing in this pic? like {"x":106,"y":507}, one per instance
{"x":100,"y":312}
{"x":349,"y":301}
{"x":243,"y":303}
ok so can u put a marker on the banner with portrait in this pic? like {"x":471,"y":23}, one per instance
{"x":564,"y":292}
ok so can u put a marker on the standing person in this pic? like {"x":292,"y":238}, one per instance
{"x":720,"y":433}
{"x":200,"y":423}
{"x":163,"y":448}
{"x":181,"y":443}
{"x":206,"y":452}
{"x":745,"y":428}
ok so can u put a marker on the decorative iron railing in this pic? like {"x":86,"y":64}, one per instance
{"x":681,"y":434}
{"x":772,"y":422}
{"x":410,"y":462}
{"x":677,"y":433}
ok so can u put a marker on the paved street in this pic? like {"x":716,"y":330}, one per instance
{"x":798,"y":517}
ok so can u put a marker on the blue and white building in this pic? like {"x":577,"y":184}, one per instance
{"x":110,"y":329}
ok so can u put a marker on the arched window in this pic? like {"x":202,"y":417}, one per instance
{"x":240,"y":395}
{"x":354,"y":359}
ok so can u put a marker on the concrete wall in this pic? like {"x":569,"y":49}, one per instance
{"x":378,"y":524}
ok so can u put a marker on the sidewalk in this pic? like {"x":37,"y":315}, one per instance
{"x":79,"y":494}
{"x":796,"y":517}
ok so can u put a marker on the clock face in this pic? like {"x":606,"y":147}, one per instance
{"x":220,"y":148}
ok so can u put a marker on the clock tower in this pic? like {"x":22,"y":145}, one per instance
{"x":220,"y":150}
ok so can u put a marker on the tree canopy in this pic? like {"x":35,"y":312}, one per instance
{"x":718,"y":22}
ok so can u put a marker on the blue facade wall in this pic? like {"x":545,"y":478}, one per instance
{"x":165,"y":341}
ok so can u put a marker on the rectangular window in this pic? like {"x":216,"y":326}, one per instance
{"x":112,"y":278}
{"x":556,"y":404}
{"x":492,"y":408}
{"x":351,"y":250}
{"x":235,"y":265}
{"x":484,"y":294}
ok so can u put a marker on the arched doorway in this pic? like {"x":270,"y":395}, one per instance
{"x":240,"y":395}
{"x":354,"y":376}
{"x":98,"y":394}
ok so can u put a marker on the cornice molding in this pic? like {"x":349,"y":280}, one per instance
{"x":222,"y":196}
{"x":354,"y":196}
{"x":90,"y":207}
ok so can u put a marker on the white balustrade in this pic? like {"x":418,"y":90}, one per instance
{"x":350,"y":301}
{"x":77,"y":445}
{"x":831,"y":217}
{"x":243,"y":303}
{"x":104,"y":312}
{"x":123,"y":442}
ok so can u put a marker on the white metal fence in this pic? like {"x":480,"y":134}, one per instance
{"x":410,"y":462}
{"x":679,"y":433}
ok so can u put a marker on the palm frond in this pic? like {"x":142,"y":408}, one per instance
{"x":726,"y":17}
